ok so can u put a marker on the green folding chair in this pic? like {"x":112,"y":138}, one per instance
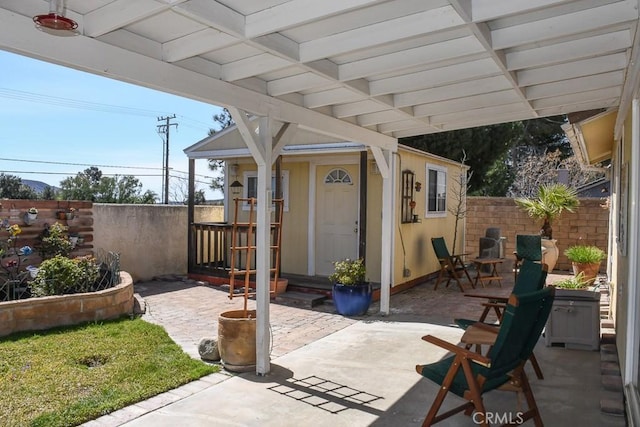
{"x":470,"y":375}
{"x":451,"y":266}
{"x":532,"y":278}
{"x":528,"y":246}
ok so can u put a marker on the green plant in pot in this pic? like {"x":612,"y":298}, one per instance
{"x":351,"y":292}
{"x":586,"y":260}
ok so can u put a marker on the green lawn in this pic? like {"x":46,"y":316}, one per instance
{"x":67,"y":376}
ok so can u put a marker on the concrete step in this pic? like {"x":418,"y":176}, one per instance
{"x":301,"y":299}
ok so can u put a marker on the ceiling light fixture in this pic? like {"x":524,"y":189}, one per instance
{"x":55,"y":22}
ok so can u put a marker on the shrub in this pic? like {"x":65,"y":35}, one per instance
{"x":54,"y":241}
{"x":60,"y":275}
{"x":89,"y":273}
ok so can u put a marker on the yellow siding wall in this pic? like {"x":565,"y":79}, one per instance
{"x":418,"y":255}
{"x":621,"y":267}
{"x":294,"y":224}
{"x":295,"y":242}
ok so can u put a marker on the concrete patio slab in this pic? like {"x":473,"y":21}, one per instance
{"x":330,"y":370}
{"x":363,"y":375}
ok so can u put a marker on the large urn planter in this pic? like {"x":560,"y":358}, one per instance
{"x":352,"y":300}
{"x":550,"y":253}
{"x":237,"y":340}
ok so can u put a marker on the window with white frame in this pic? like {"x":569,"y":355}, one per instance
{"x":250,"y":187}
{"x":436,"y":191}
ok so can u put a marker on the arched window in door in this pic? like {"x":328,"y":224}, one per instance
{"x":338,"y":176}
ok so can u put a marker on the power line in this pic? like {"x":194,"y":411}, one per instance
{"x":96,"y":165}
{"x":77,"y":164}
{"x":104,"y":174}
{"x":94,"y":106}
{"x":67,"y":173}
{"x":73,"y":103}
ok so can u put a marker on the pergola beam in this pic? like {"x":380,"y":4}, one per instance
{"x":17,"y":35}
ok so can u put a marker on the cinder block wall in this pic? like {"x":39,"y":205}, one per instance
{"x":151,"y":239}
{"x":589,"y":224}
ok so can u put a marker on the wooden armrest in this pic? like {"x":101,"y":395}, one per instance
{"x":457,"y":350}
{"x":495,"y":304}
{"x":486,"y":327}
{"x":459,"y":255}
{"x":478,"y":336}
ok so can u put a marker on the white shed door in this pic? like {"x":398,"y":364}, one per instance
{"x":336,"y":215}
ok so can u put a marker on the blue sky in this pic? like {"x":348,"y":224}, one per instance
{"x":51,"y":113}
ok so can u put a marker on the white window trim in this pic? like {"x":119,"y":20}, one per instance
{"x":438,"y":214}
{"x":254,"y":174}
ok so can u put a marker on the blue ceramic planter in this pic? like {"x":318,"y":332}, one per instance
{"x":352,"y":300}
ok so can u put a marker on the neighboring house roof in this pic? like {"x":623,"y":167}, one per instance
{"x":598,"y":188}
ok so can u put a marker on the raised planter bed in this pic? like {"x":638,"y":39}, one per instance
{"x":34,"y":314}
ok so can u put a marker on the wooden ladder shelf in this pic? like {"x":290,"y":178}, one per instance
{"x":243,"y":248}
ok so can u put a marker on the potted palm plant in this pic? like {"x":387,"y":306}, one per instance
{"x":351,"y":293}
{"x":585,"y":261}
{"x":551,"y":201}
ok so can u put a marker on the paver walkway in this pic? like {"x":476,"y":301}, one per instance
{"x":189,"y":311}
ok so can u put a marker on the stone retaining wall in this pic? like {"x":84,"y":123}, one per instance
{"x":47,"y":312}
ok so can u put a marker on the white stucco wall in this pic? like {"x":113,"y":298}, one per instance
{"x":154,"y":238}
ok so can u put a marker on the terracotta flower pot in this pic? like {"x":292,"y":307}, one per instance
{"x":589,"y":271}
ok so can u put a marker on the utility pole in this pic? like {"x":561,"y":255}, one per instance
{"x":164,"y":129}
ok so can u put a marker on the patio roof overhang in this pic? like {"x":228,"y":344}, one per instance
{"x":364,"y":71}
{"x":368,"y":71}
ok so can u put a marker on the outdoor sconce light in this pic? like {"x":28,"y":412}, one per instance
{"x":418,"y":186}
{"x":235,"y":186}
{"x":54,"y":22}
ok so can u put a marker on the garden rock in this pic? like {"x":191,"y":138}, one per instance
{"x":208,"y":349}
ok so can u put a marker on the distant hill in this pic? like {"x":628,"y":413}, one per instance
{"x":38,"y":186}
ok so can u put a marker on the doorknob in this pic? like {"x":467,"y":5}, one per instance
{"x":355,"y":230}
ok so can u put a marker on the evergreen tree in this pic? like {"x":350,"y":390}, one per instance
{"x":494,"y":151}
{"x":48,"y":193}
{"x":91,"y":185}
{"x":223,"y":120}
{"x":11,"y":187}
